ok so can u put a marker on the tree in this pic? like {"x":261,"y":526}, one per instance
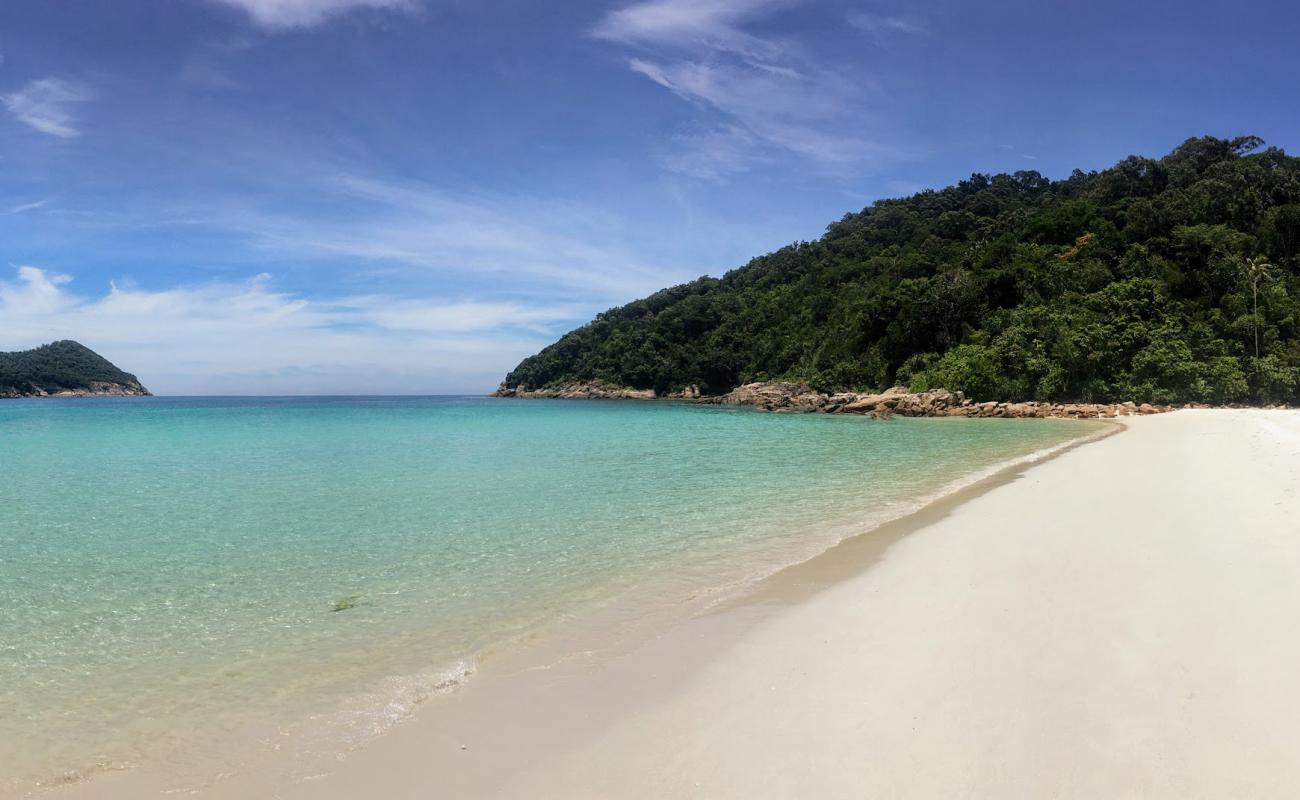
{"x":1255,"y":271}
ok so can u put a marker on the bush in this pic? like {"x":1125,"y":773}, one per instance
{"x":970,"y":368}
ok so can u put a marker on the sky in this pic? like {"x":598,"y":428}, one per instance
{"x":408,"y":196}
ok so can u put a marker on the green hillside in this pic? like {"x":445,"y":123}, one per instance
{"x":63,"y":366}
{"x":1162,"y":280}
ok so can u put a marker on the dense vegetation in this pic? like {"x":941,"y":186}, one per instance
{"x":63,"y":365}
{"x":1166,"y":280}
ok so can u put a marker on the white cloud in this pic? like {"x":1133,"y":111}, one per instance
{"x":284,"y":14}
{"x":759,"y":96}
{"x":46,"y":105}
{"x":39,"y":293}
{"x":246,"y":337}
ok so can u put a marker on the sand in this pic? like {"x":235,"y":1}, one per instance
{"x":1118,"y":621}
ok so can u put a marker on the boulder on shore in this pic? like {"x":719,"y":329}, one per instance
{"x":802,"y":398}
{"x":798,"y":397}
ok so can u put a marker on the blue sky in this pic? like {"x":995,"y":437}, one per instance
{"x":407,"y":196}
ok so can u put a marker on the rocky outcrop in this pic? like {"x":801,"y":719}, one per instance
{"x":794,"y":397}
{"x":104,"y":389}
{"x":590,"y":390}
{"x":772,"y":397}
{"x":94,"y":389}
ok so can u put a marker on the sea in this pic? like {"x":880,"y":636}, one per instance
{"x":183,"y":579}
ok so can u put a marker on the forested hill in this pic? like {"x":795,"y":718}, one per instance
{"x":1161,"y":280}
{"x":63,"y":367}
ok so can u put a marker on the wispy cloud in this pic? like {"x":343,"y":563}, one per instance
{"x":239,"y":337}
{"x":1012,"y":149}
{"x":713,"y":153}
{"x":759,"y":95}
{"x":287,"y":14}
{"x":545,"y":246}
{"x":203,"y":73}
{"x":883,"y":26}
{"x":206,"y":68}
{"x":23,"y":208}
{"x":47,"y":105}
{"x":467,"y":316}
{"x":690,"y":24}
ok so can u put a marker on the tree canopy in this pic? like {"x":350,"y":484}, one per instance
{"x":1156,"y":280}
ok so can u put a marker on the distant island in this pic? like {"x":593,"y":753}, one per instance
{"x":63,"y":369}
{"x":1170,"y":280}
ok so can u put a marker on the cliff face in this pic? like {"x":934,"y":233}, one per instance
{"x":64,"y":369}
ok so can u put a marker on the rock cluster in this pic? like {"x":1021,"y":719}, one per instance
{"x":94,"y":389}
{"x":801,"y":398}
{"x":795,"y":397}
{"x":772,"y":397}
{"x":590,"y":390}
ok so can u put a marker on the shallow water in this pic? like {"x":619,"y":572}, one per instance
{"x":166,"y":562}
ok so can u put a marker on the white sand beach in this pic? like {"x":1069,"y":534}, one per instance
{"x":1118,"y":621}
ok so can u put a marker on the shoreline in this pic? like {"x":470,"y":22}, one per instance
{"x":1080,"y":630}
{"x":599,"y":636}
{"x":1072,"y":630}
{"x":570,"y":702}
{"x":1102,"y":621}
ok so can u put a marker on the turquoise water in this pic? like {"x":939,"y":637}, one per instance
{"x":170,"y":561}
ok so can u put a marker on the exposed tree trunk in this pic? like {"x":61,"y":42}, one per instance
{"x":1254,"y":290}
